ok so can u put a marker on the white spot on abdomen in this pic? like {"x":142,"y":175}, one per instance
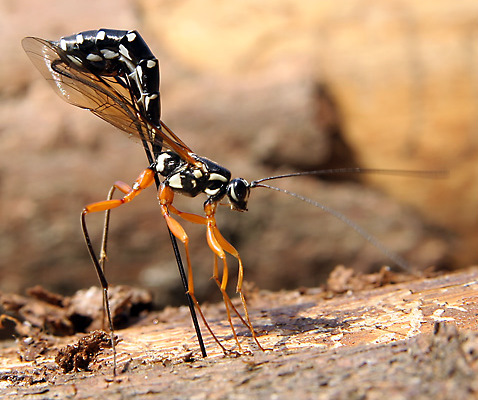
{"x":108,"y":54}
{"x":94,"y":57}
{"x":124,"y":51}
{"x":101,"y":35}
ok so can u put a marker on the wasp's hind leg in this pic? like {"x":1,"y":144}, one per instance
{"x":144,"y":180}
{"x":106,"y":226}
{"x":104,"y":245}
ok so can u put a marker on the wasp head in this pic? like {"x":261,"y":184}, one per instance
{"x":238,"y":192}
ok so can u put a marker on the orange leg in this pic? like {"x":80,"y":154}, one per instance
{"x":166,"y":196}
{"x":218,"y":244}
{"x":145,"y":180}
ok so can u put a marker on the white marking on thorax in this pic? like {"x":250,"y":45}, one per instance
{"x":211,"y":192}
{"x":175,"y":181}
{"x":197,"y":173}
{"x":217,"y":177}
{"x":160,"y":162}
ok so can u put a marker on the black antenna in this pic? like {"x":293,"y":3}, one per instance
{"x":357,"y":170}
{"x":362,"y":232}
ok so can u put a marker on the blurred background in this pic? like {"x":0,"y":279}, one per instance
{"x":262,"y":88}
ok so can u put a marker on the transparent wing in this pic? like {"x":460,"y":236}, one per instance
{"x":108,"y":97}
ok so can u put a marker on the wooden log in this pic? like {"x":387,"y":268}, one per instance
{"x":370,"y":342}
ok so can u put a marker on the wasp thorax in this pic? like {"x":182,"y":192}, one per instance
{"x":238,"y":192}
{"x":167,"y":162}
{"x":189,"y":181}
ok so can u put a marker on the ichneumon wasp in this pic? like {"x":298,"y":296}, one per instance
{"x":113,"y":74}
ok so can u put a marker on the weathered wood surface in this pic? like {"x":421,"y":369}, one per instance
{"x":356,"y":344}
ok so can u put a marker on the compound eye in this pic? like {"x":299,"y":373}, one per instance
{"x":238,"y":193}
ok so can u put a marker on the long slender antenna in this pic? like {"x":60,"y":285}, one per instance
{"x":398,"y":172}
{"x":367,"y":236}
{"x":362,"y":232}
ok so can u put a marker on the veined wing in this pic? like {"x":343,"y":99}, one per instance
{"x":108,"y":97}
